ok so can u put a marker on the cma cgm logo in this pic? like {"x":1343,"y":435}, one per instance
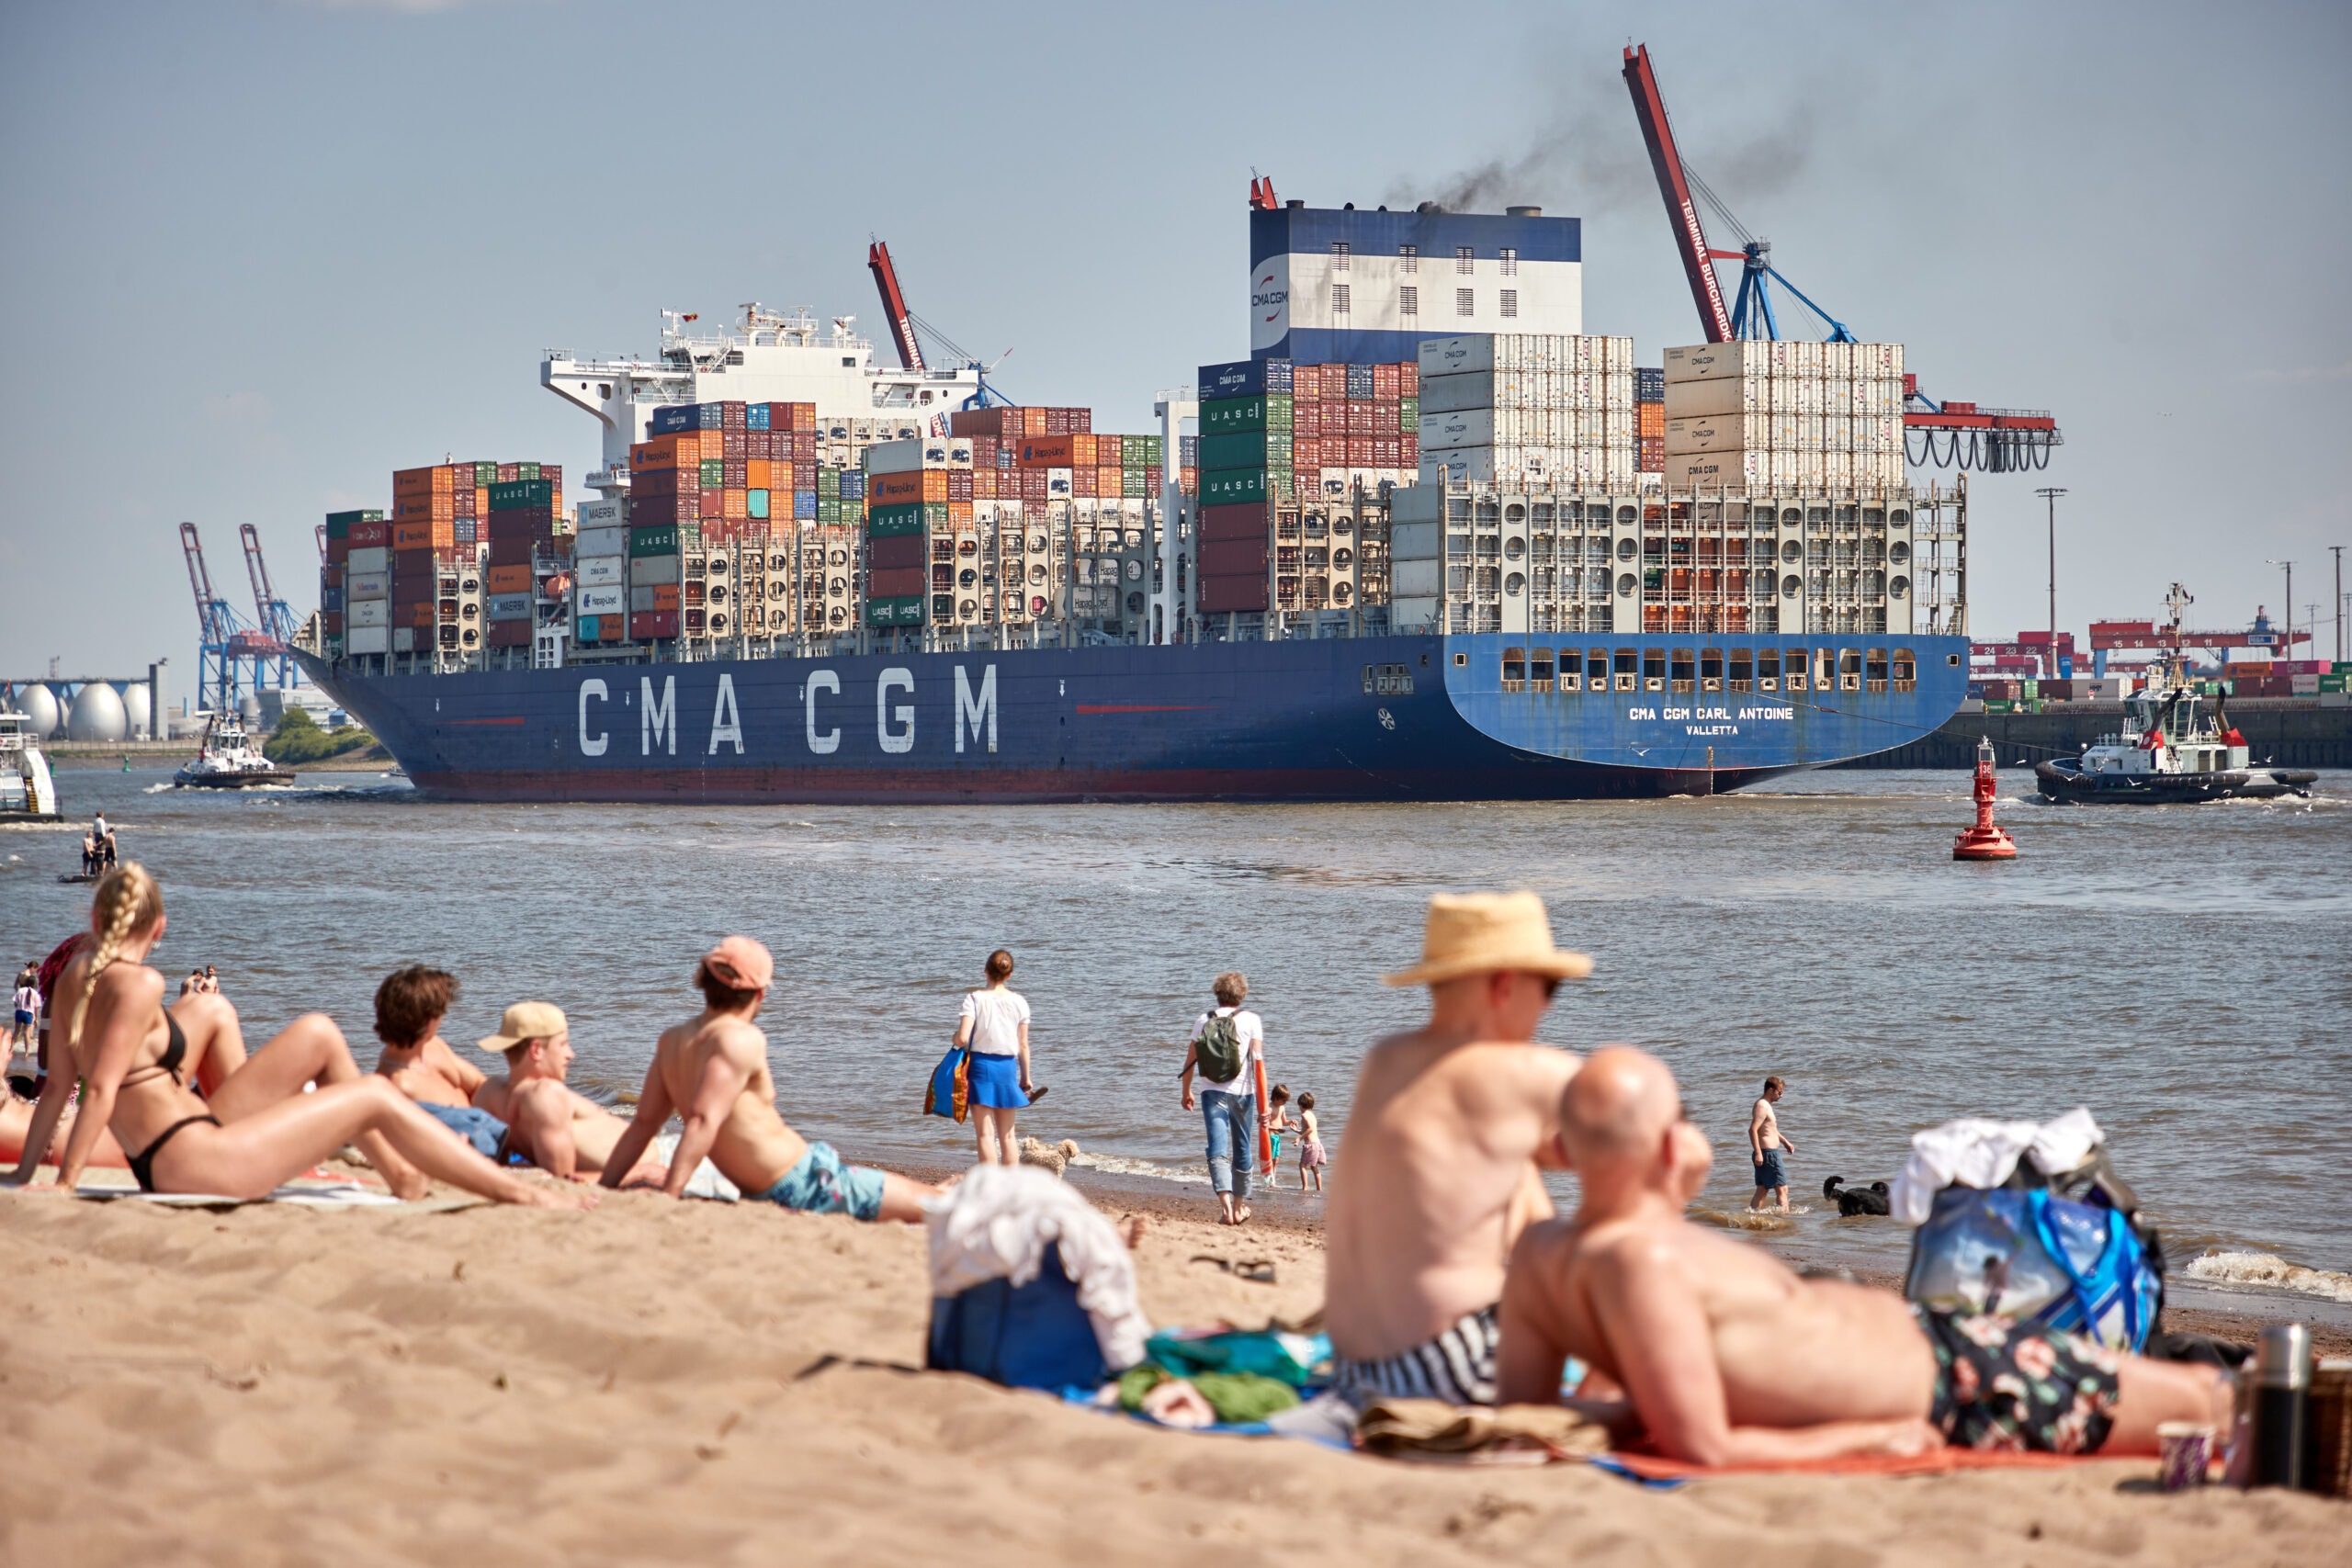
{"x":1269,"y":300}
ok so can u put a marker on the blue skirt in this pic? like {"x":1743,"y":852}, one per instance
{"x":996,"y":1082}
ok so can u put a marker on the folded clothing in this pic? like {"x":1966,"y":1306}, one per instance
{"x":478,"y":1128}
{"x":1432,"y":1425}
{"x":1976,"y":1152}
{"x":1238,"y":1398}
{"x":998,"y":1224}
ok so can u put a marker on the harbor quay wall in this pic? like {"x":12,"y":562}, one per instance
{"x":2294,"y":732}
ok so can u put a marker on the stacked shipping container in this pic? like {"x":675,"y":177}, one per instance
{"x":1784,"y":415}
{"x":1649,"y":422}
{"x":1528,"y":409}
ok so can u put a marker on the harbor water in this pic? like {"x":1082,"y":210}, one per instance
{"x":2180,"y":971}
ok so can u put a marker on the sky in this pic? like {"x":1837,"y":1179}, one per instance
{"x":257,"y":255}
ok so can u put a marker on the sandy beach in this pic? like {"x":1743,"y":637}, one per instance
{"x":455,"y":1382}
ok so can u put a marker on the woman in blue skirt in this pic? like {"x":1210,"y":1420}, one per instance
{"x":995,"y":1023}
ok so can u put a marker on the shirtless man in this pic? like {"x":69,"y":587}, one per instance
{"x":410,"y":1006}
{"x":1728,"y":1358}
{"x":548,"y":1123}
{"x":1438,"y":1169}
{"x":713,"y":1071}
{"x":1765,"y":1145}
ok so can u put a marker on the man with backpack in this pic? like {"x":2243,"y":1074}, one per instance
{"x":1228,"y":1043}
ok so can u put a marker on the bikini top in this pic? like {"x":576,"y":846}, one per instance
{"x":168,"y":1063}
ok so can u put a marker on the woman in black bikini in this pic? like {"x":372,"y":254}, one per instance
{"x":257,"y":1127}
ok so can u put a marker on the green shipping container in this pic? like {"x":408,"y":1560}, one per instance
{"x":339,"y":522}
{"x":1235,"y":486}
{"x":1999,"y":705}
{"x":1135,"y":484}
{"x":660,"y":539}
{"x":828,"y":508}
{"x":1246,"y":449}
{"x":903,"y":611}
{"x":829,"y":483}
{"x":890,"y":521}
{"x":1408,"y":415}
{"x":1224,"y":416}
{"x":523,"y":495}
{"x":527,"y":470}
{"x":2332,"y":683}
{"x":485,"y":475}
{"x":713,"y":473}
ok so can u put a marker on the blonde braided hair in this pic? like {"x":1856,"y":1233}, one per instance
{"x":128,"y":901}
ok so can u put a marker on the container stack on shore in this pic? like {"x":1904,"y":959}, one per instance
{"x":1811,"y":417}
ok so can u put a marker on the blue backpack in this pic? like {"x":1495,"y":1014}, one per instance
{"x":1033,"y":1337}
{"x":2070,"y":1253}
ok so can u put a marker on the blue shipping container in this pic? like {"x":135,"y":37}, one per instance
{"x":756,"y":416}
{"x":804,"y":505}
{"x":673,"y":418}
{"x":757,"y":502}
{"x":853,"y":484}
{"x":1243,"y":379}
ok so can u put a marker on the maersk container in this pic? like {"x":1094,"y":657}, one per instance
{"x":509,"y":607}
{"x":601,"y":514}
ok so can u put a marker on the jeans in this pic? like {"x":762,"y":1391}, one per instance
{"x":1232,"y":1122}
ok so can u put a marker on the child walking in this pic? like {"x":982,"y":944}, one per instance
{"x":1278,"y":1122}
{"x":1311,"y":1157}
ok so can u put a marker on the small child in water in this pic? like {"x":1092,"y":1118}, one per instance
{"x":1311,"y":1157}
{"x":1278,"y":1122}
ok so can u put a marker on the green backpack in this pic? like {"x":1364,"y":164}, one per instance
{"x":1219,"y":1052}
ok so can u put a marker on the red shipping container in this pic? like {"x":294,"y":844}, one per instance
{"x":507,"y":633}
{"x":330,"y":621}
{"x":650,"y":509}
{"x":1409,"y":379}
{"x":371,"y":534}
{"x":712,"y":503}
{"x":905,"y":489}
{"x":1246,"y":521}
{"x":1384,"y":382}
{"x":985,"y":422}
{"x":959,"y":484}
{"x":507,"y":553}
{"x":755,"y":444}
{"x":1044,"y":452}
{"x":894,"y":551}
{"x":1408,"y":451}
{"x":1219,"y":594}
{"x":730,"y":446}
{"x":1082,"y":483}
{"x":646,"y":625}
{"x":1233,"y":558}
{"x":895,"y":582}
{"x":338,"y":550}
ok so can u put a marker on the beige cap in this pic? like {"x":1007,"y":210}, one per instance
{"x":1483,"y":934}
{"x":525,"y":1020}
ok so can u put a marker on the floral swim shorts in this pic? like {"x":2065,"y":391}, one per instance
{"x":2005,"y":1385}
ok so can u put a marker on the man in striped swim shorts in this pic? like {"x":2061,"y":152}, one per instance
{"x":1439,"y":1168}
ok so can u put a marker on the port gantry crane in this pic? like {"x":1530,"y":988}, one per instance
{"x":275,"y":638}
{"x":222,"y":638}
{"x":1948,"y":435}
{"x":904,"y":321}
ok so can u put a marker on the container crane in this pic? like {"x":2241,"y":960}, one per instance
{"x":1947,"y":435}
{"x":273,"y":618}
{"x":222,"y":638}
{"x":903,"y":322}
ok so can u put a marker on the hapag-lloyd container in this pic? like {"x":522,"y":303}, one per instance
{"x":603,"y":600}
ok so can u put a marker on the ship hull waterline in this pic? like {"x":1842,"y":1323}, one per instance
{"x":1404,"y":719}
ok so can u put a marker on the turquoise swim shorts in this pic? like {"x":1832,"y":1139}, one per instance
{"x":821,"y":1184}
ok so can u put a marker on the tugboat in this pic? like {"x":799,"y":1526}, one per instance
{"x":2174,"y":754}
{"x":28,"y":790}
{"x":228,"y":759}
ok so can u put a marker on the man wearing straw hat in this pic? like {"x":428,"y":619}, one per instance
{"x":1437,"y":1170}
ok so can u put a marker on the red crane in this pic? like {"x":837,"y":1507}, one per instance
{"x":1690,"y":235}
{"x":894,"y":305}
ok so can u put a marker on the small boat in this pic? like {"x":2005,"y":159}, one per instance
{"x":27,"y":789}
{"x":228,"y":759}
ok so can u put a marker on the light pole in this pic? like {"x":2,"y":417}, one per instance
{"x":2291,"y":602}
{"x":2051,"y":495}
{"x":2339,"y":550}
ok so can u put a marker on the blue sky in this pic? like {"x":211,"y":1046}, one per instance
{"x":257,"y":255}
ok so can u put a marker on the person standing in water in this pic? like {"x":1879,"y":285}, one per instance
{"x":1765,"y":1147}
{"x":1228,"y":1043}
{"x":994,"y":1024}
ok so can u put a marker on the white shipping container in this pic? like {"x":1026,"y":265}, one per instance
{"x":1880,"y":359}
{"x":375,"y":557}
{"x":374,"y":585}
{"x":1411,"y":503}
{"x":1707,"y":361}
{"x":898,"y":456}
{"x":601,"y":571}
{"x":1423,"y":539}
{"x":603,"y":600}
{"x":1729,"y":470}
{"x":1406,"y":614}
{"x":1455,"y":356}
{"x":1837,"y":468}
{"x":1810,"y":427}
{"x":601,"y":542}
{"x":1728,"y":432}
{"x":601,"y":514}
{"x":367,"y":612}
{"x":652,"y":569}
{"x":404,"y":639}
{"x":1416,"y":579}
{"x":357,"y":640}
{"x":1456,"y":429}
{"x":1450,"y":394}
{"x":1838,"y":394}
{"x":1719,"y":396}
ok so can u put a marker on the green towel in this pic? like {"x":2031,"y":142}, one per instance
{"x":1238,"y":1398}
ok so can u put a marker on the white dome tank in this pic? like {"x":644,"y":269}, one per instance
{"x":38,"y":703}
{"x":134,"y":711}
{"x":96,"y":715}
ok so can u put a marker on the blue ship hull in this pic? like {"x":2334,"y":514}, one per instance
{"x":1405,"y":718}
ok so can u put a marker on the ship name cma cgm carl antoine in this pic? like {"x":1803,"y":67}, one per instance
{"x":1518,"y":614}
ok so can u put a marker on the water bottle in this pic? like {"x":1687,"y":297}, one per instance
{"x":2282,"y":1385}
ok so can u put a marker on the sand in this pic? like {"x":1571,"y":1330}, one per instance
{"x":456,"y":1383}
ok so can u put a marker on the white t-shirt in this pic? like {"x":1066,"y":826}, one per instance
{"x":1252,"y":1030}
{"x":997,"y":1018}
{"x":28,"y":999}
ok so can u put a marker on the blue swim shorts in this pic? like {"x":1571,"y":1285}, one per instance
{"x":486,"y":1132}
{"x":821,"y":1184}
{"x":1769,"y":1173}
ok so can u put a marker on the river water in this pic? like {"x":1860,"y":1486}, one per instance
{"x":2184,"y":972}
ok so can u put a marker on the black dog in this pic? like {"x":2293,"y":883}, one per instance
{"x":1852,"y":1200}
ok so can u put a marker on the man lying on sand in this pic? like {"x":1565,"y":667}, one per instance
{"x":713,"y":1071}
{"x":410,"y":1006}
{"x":1729,"y":1358}
{"x":1438,"y":1169}
{"x":548,"y":1123}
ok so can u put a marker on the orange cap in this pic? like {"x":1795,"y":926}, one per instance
{"x":741,"y":963}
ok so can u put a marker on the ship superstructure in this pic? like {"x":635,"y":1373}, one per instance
{"x":768,"y":358}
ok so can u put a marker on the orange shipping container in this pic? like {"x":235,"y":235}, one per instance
{"x":905,"y":489}
{"x":423,"y":481}
{"x":665,"y":596}
{"x":439,"y":534}
{"x":959,"y":513}
{"x":1044,"y":452}
{"x":734,"y":503}
{"x":780,"y":478}
{"x":1109,"y":482}
{"x":756,"y":473}
{"x":660,"y":455}
{"x":423,"y":508}
{"x":510,"y":579}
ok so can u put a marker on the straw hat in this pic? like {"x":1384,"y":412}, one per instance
{"x":1481,"y":933}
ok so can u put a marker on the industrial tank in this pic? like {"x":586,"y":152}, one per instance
{"x":135,"y":711}
{"x":96,"y":715}
{"x":38,"y":703}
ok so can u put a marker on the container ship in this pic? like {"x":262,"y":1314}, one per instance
{"x":1431,"y":541}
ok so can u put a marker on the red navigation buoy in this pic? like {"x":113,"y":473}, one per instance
{"x":1984,"y":841}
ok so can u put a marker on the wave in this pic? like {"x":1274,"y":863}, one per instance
{"x":2269,"y":1268}
{"x":1116,"y":1165}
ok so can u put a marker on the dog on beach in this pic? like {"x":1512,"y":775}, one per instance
{"x":1052,"y":1156}
{"x":1853,"y":1200}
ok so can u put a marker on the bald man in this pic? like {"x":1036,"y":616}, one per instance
{"x":1728,"y":1358}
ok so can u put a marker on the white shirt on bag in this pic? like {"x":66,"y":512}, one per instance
{"x":1252,"y":1030}
{"x":997,"y":1018}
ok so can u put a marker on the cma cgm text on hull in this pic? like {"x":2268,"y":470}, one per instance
{"x":1366,"y":718}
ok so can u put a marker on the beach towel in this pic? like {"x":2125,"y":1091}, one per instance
{"x":1934,"y":1462}
{"x":998,"y":1223}
{"x":949,"y":1093}
{"x":1418,"y":1427}
{"x":324,"y":1195}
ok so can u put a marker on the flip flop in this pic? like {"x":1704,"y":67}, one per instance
{"x":1037,"y":1094}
